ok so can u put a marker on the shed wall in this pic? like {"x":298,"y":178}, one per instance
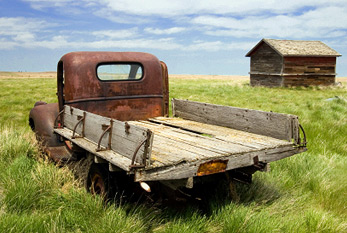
{"x":308,"y":80}
{"x":266,"y":60}
{"x":266,"y":80}
{"x":309,"y":65}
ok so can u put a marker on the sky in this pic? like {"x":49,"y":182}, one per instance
{"x":208,"y":37}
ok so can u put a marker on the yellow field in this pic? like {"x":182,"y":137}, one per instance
{"x":233,"y":78}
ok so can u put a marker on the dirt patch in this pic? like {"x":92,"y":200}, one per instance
{"x":342,"y":80}
{"x":234,"y":78}
{"x":6,"y":75}
{"x":209,"y":77}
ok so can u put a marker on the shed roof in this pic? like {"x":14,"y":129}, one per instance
{"x":297,"y":48}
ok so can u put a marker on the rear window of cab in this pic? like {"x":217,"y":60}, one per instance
{"x":119,"y":72}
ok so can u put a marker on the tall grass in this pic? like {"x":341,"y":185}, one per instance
{"x":303,"y":193}
{"x":36,"y":196}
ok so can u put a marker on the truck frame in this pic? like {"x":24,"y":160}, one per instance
{"x":114,"y":108}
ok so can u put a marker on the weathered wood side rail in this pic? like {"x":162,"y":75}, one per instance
{"x":129,"y":140}
{"x":276,"y":125}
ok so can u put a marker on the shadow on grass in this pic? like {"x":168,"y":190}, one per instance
{"x":202,"y":200}
{"x":194,"y":206}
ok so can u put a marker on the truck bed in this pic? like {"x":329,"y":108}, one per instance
{"x":181,"y":146}
{"x":177,"y":140}
{"x":168,"y":148}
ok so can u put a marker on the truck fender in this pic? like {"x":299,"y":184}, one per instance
{"x":41,"y":121}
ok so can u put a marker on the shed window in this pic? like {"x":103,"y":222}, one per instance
{"x":120,"y":72}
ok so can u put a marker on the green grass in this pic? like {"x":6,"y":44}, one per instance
{"x":303,"y":193}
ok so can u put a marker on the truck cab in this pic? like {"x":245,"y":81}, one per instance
{"x":120,"y":85}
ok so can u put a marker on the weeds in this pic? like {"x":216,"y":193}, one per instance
{"x":303,"y":193}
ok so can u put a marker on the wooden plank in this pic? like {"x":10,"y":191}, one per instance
{"x":205,"y":142}
{"x":185,"y":170}
{"x":266,"y":80}
{"x":110,"y":156}
{"x":221,"y":133}
{"x":125,"y":137}
{"x":198,"y":141}
{"x":170,"y":151}
{"x":259,"y":122}
{"x":266,"y":59}
{"x":279,"y":153}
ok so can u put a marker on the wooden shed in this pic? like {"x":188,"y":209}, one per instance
{"x":292,"y":63}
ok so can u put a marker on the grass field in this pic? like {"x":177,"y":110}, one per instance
{"x":303,"y":193}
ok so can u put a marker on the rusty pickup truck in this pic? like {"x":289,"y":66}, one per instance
{"x":113,"y":107}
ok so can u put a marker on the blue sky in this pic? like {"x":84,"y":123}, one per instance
{"x":192,"y":37}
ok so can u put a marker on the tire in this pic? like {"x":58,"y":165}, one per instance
{"x":98,"y":181}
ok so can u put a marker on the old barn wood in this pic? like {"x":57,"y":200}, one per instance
{"x":292,"y":63}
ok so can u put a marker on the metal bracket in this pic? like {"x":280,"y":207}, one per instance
{"x":133,"y":165}
{"x":108,"y":129}
{"x":82,"y":119}
{"x":56,"y":125}
{"x":127,"y":127}
{"x":304,"y":142}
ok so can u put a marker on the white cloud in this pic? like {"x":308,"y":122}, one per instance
{"x":119,"y":17}
{"x":215,"y":46}
{"x":167,"y":31}
{"x":40,"y":4}
{"x":169,"y":8}
{"x":117,"y":34}
{"x":242,"y":18}
{"x":16,"y":25}
{"x":240,"y":45}
{"x":24,"y":36}
{"x":327,"y":17}
{"x":6,"y":44}
{"x":205,"y":46}
{"x":162,"y":44}
{"x":327,"y":22}
{"x":27,"y":33}
{"x":19,"y":30}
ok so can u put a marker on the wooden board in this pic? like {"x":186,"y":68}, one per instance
{"x":109,"y":155}
{"x":207,"y":143}
{"x":125,"y":137}
{"x":220,"y":132}
{"x":265,"y":59}
{"x":276,"y":125}
{"x":184,"y":170}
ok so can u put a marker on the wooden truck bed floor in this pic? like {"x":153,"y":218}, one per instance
{"x":177,"y":140}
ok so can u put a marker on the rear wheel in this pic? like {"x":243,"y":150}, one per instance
{"x":98,"y":181}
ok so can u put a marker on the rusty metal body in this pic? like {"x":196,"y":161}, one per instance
{"x":41,"y":120}
{"x":80,"y":87}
